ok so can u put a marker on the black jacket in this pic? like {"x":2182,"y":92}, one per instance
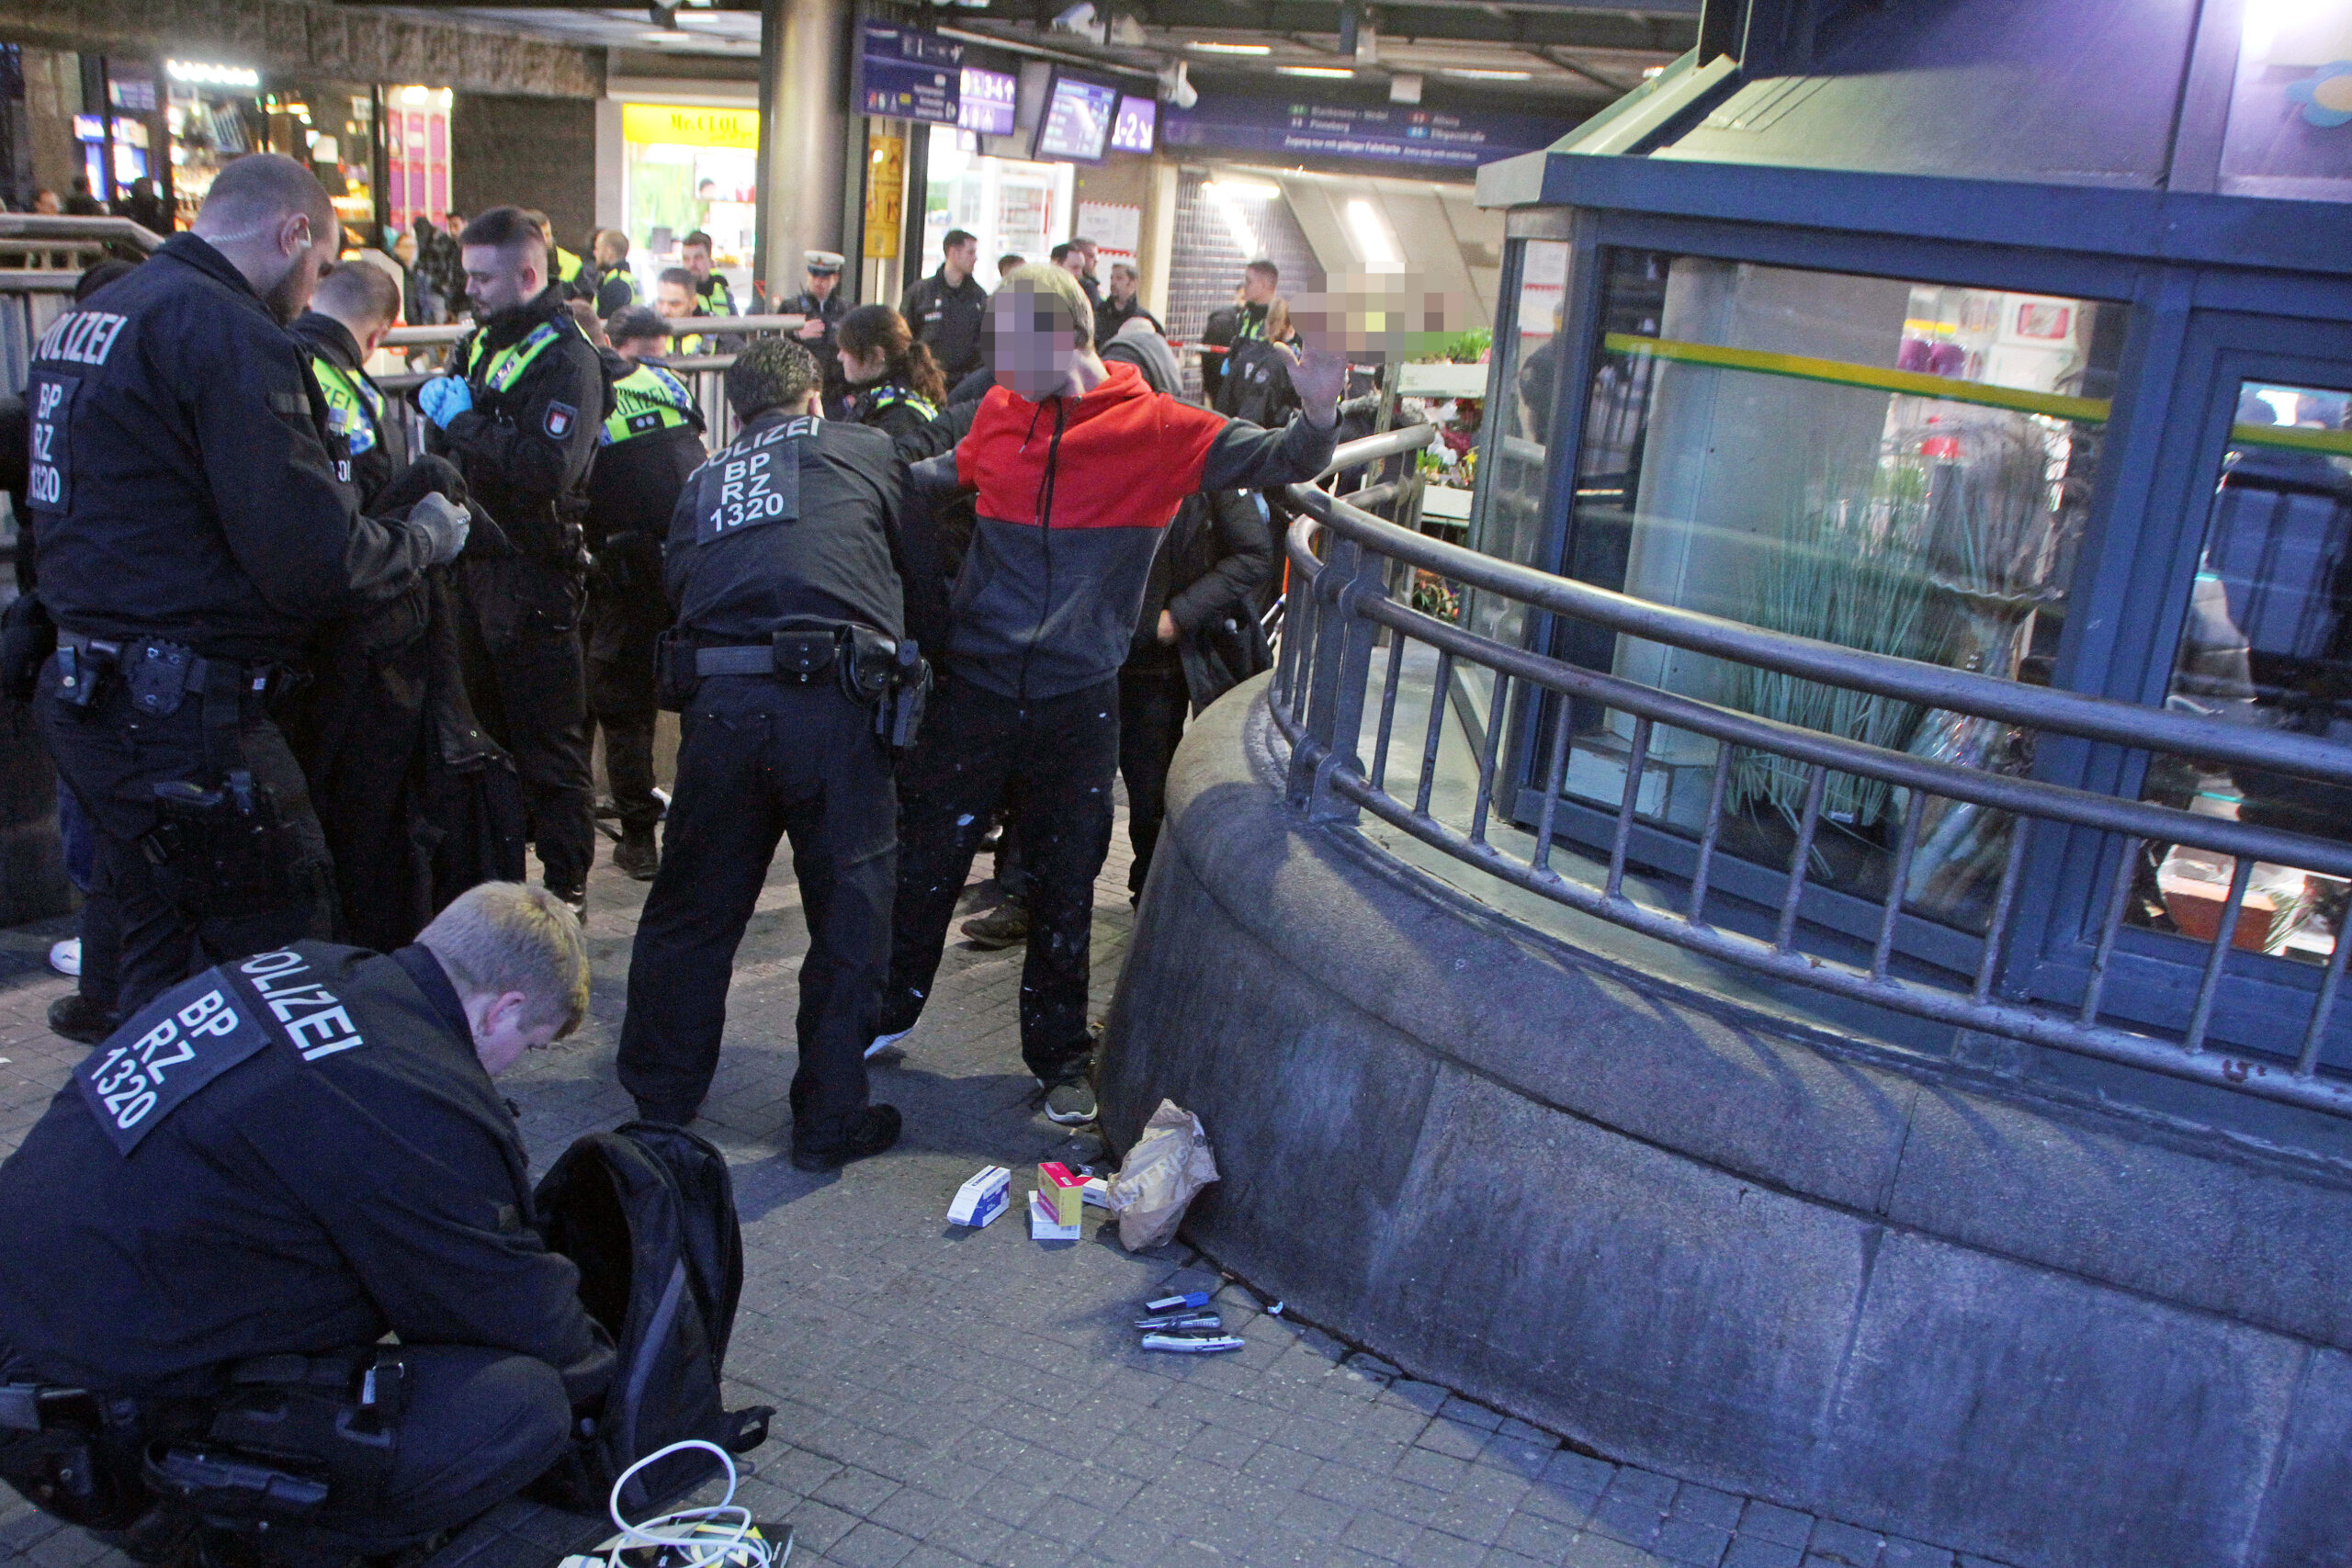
{"x":179,"y":488}
{"x":526,"y":449}
{"x":366,"y":456}
{"x":332,"y":1166}
{"x":893,"y":408}
{"x":1255,"y":386}
{"x":948,"y":319}
{"x":798,"y":519}
{"x":1212,"y":561}
{"x":1226,"y":326}
{"x":1110,"y":316}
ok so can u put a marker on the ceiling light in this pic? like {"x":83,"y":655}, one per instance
{"x":1247,"y":190}
{"x":1373,"y":243}
{"x":1476,"y":73}
{"x":1232,"y":48}
{"x":1338,"y":70}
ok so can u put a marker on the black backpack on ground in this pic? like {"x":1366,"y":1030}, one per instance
{"x":648,"y":1213}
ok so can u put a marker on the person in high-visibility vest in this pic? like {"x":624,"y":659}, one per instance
{"x":651,"y":441}
{"x":615,"y":287}
{"x":710,"y":289}
{"x":520,"y":417}
{"x":566,"y":266}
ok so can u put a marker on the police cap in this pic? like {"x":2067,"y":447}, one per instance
{"x":822,"y":260}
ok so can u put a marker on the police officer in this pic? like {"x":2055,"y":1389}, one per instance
{"x":350,"y":313}
{"x":945,"y":312}
{"x":616,"y":287}
{"x":520,"y":418}
{"x":652,"y":444}
{"x":570,"y":271}
{"x":711,"y":292}
{"x":209,"y":1233}
{"x":893,"y":384}
{"x":192,"y":531}
{"x":782,"y":564}
{"x":823,"y":309}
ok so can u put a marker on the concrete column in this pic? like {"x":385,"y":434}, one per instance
{"x":804,"y":75}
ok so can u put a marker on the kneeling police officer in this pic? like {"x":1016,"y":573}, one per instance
{"x":795,"y":678}
{"x":207,"y":1237}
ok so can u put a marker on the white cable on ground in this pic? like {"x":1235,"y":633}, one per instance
{"x":719,"y":1535}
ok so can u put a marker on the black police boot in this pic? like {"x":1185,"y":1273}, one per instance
{"x":637,"y":854}
{"x":78,"y":1018}
{"x":876,"y":1129}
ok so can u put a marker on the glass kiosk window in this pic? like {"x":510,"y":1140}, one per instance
{"x":2267,"y":641}
{"x":1888,"y":465}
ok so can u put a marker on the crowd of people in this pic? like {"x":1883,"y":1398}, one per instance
{"x":310,"y":694}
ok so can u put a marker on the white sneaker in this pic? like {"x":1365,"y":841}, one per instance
{"x":883,"y":1041}
{"x":65,"y":957}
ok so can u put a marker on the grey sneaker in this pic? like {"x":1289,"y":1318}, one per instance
{"x":1071,"y":1103}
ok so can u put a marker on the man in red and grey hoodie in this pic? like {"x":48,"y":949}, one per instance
{"x":1078,"y":467}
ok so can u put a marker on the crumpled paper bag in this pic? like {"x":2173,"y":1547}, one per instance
{"x":1168,"y":1164}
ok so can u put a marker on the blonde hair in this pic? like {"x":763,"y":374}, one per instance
{"x":1049,"y":277}
{"x":497,"y":936}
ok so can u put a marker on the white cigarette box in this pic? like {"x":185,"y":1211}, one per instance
{"x":982,"y":1198}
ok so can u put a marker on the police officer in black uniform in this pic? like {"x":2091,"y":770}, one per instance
{"x":236,"y":1197}
{"x":192,"y":531}
{"x":822,"y":303}
{"x":652,"y":442}
{"x":520,"y":418}
{"x":782,"y":562}
{"x":947,"y":310}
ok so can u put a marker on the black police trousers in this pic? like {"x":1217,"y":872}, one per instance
{"x":519,"y":645}
{"x":1154,"y":701}
{"x":478,"y":1426}
{"x":1058,"y":757}
{"x":762,"y":760}
{"x":112,"y":756}
{"x":622,"y":627}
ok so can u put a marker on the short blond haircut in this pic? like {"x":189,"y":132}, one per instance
{"x":1050,"y":278}
{"x":497,"y":936}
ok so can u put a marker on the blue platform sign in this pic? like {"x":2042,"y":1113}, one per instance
{"x":1385,"y":133}
{"x":908,"y":75}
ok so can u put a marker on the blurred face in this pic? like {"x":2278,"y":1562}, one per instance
{"x":962,"y":258}
{"x":46,"y":202}
{"x":404,"y":250}
{"x":306,"y":258}
{"x":608,"y":249}
{"x":861,"y":369}
{"x":1074,"y":262}
{"x":500,"y":1039}
{"x":634,"y":349}
{"x":1122,"y":284}
{"x":820,"y":283}
{"x":1086,"y":256}
{"x":1033,"y":336}
{"x":499,"y":278}
{"x":673,"y":299}
{"x":1257,"y":288}
{"x":699,"y":261}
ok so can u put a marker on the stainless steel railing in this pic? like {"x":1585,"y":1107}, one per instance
{"x":1340,"y":606}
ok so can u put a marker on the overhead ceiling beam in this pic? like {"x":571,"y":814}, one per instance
{"x":1474,"y":24}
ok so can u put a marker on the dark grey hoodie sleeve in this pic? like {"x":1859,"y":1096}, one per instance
{"x":1243,"y":456}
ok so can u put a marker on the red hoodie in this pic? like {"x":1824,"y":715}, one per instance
{"x":1073,"y":494}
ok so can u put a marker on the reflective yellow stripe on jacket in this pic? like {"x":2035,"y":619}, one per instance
{"x":649,"y":399}
{"x":355,"y":408}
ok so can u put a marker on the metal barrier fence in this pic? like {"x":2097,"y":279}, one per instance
{"x":1341,"y":604}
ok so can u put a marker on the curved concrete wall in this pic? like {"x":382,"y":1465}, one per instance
{"x":1899,"y":1294}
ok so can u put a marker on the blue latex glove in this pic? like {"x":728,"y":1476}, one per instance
{"x":444,"y":398}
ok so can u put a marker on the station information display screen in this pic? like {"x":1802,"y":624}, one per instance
{"x":988,"y":102}
{"x":1075,"y":126}
{"x":1138,"y":119}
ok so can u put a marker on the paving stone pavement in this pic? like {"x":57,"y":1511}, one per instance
{"x":957,"y":1397}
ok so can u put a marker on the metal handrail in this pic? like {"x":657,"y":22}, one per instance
{"x":1320,"y":691}
{"x":681,"y":326}
{"x":50,"y":231}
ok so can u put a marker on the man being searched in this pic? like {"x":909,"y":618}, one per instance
{"x":710,"y":289}
{"x":945,"y":312}
{"x":192,"y":532}
{"x":210,"y":1232}
{"x":521,"y":419}
{"x":652,"y":442}
{"x":1078,"y":467}
{"x":783,"y":564}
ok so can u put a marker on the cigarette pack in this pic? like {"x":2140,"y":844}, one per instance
{"x":1063,"y":1189}
{"x":982,"y":1198}
{"x":1096,"y":1191}
{"x":1045,"y":1224}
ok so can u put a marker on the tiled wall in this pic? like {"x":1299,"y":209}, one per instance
{"x":1205,"y":260}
